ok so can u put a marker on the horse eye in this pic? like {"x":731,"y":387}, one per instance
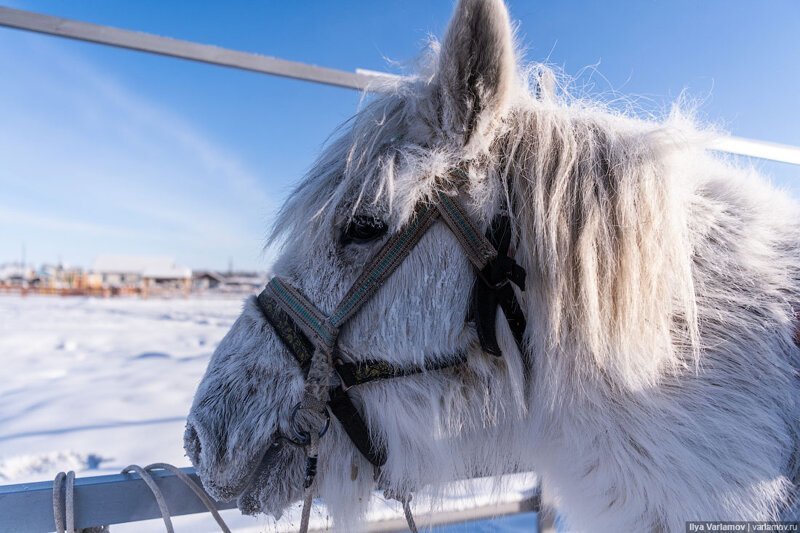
{"x":362,"y":228}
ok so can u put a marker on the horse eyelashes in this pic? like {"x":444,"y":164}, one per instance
{"x":362,"y":229}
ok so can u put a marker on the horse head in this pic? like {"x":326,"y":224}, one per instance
{"x":402,"y":161}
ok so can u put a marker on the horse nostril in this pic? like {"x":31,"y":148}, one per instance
{"x":191,"y":444}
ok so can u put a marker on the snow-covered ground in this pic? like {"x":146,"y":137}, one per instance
{"x":94,"y":385}
{"x":103,"y":382}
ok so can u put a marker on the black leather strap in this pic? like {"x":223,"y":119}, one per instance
{"x":796,"y":335}
{"x":353,"y":424}
{"x":360,"y":372}
{"x":514,"y":315}
{"x":493,"y":289}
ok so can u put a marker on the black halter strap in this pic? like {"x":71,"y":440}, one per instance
{"x":493,"y":289}
{"x":303,"y":329}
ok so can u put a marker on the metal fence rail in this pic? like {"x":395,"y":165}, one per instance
{"x":99,"y":501}
{"x":155,"y":44}
{"x":124,"y":498}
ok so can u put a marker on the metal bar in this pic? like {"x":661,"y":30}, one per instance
{"x":99,"y":501}
{"x":204,"y":53}
{"x":118,"y":499}
{"x":782,"y":153}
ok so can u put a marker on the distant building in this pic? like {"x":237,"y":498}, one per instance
{"x":203,"y":280}
{"x":16,"y":275}
{"x":228,"y":282}
{"x":112,"y":275}
{"x":140,"y":274}
{"x":246,"y":281}
{"x":60,"y":277}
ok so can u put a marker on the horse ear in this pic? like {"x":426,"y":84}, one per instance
{"x":477,"y":67}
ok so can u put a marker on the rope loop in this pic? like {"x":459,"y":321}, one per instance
{"x":64,"y":504}
{"x":302,"y":437}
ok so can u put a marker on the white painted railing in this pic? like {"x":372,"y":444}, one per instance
{"x":124,"y":498}
{"x":99,"y":501}
{"x":782,"y":153}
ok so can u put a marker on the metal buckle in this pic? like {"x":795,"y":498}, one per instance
{"x":494,"y":286}
{"x":300,"y":437}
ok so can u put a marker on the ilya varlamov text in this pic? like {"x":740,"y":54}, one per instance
{"x":705,"y":526}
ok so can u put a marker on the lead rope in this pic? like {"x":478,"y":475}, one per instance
{"x":312,"y":452}
{"x":157,"y":494}
{"x":316,"y":399}
{"x":199,"y":492}
{"x":405,"y":501}
{"x":65,"y":522}
{"x":407,"y":511}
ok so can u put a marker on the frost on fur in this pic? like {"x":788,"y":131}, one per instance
{"x":660,"y":380}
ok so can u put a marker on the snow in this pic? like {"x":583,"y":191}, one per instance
{"x":31,"y":466}
{"x":94,"y":385}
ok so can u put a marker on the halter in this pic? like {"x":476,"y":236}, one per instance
{"x":312,"y":337}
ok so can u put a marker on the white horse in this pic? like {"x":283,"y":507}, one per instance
{"x":658,"y":380}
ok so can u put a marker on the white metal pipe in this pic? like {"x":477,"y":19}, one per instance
{"x":124,"y":498}
{"x":783,"y":153}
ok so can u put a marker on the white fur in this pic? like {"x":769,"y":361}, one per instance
{"x":660,"y":382}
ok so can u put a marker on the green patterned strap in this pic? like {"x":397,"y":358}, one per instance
{"x":477,"y":247}
{"x":303,"y":313}
{"x":383,"y":264}
{"x":290,"y":334}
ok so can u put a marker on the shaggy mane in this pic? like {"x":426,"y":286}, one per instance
{"x":602,"y":219}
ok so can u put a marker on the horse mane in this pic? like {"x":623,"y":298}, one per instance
{"x":601,"y":205}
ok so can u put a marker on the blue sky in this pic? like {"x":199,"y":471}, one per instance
{"x":110,"y":151}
